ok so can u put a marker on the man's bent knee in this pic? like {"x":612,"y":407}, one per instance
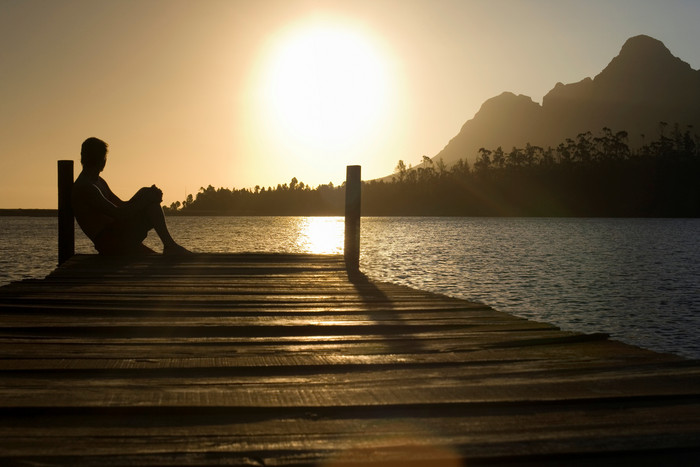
{"x":148,"y":196}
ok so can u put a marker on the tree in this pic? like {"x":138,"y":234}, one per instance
{"x":401,"y":170}
{"x":584,"y":147}
{"x":532,"y":154}
{"x":499,"y":159}
{"x":515,"y":158}
{"x":441,"y":167}
{"x":483,"y":163}
{"x":426,"y":172}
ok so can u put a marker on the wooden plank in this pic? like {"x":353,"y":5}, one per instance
{"x":321,"y":373}
{"x":284,"y":396}
{"x":235,"y":432}
{"x":288,"y":360}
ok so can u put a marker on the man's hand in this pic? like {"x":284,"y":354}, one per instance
{"x":146,"y":196}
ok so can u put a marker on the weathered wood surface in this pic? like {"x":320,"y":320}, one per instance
{"x":285,"y":360}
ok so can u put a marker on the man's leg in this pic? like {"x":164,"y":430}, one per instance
{"x":157,"y":218}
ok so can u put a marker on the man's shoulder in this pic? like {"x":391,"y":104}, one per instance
{"x":83,"y":180}
{"x":85,"y":186}
{"x":81,"y":183}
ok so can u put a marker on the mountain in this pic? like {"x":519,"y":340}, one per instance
{"x":641,"y":87}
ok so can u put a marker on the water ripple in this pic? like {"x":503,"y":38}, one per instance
{"x":636,"y":279}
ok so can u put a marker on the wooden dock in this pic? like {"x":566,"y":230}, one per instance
{"x":252,"y":359}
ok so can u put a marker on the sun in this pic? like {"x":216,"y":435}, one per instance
{"x":324,"y":89}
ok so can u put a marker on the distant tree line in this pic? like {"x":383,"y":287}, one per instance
{"x":590,"y":175}
{"x":293,"y":199}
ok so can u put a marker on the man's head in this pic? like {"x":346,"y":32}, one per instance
{"x":93,"y":153}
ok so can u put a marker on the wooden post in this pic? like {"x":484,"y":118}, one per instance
{"x":66,"y":229}
{"x":353,"y":201}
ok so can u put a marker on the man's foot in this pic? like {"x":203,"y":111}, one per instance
{"x":175,"y":249}
{"x":144,"y":250}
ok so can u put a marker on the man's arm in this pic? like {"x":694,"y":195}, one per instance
{"x":108,"y":194}
{"x":88,"y":198}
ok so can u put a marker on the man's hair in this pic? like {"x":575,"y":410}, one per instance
{"x":92,"y":152}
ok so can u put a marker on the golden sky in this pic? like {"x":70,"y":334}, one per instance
{"x":239,"y":93}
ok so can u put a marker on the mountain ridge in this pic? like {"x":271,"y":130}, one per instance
{"x":643,"y":85}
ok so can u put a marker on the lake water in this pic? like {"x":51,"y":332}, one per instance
{"x":636,"y":279}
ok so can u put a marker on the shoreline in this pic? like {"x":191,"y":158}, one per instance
{"x":32,"y":212}
{"x":40,"y":212}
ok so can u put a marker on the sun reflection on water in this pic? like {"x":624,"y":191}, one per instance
{"x":321,"y":235}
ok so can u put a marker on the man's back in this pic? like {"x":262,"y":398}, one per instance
{"x":88,"y":202}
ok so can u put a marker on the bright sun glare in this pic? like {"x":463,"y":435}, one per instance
{"x":325,"y":86}
{"x":321,"y":235}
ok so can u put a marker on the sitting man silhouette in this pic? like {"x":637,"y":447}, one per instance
{"x":117,"y":227}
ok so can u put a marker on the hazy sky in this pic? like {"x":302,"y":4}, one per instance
{"x":238,"y":93}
